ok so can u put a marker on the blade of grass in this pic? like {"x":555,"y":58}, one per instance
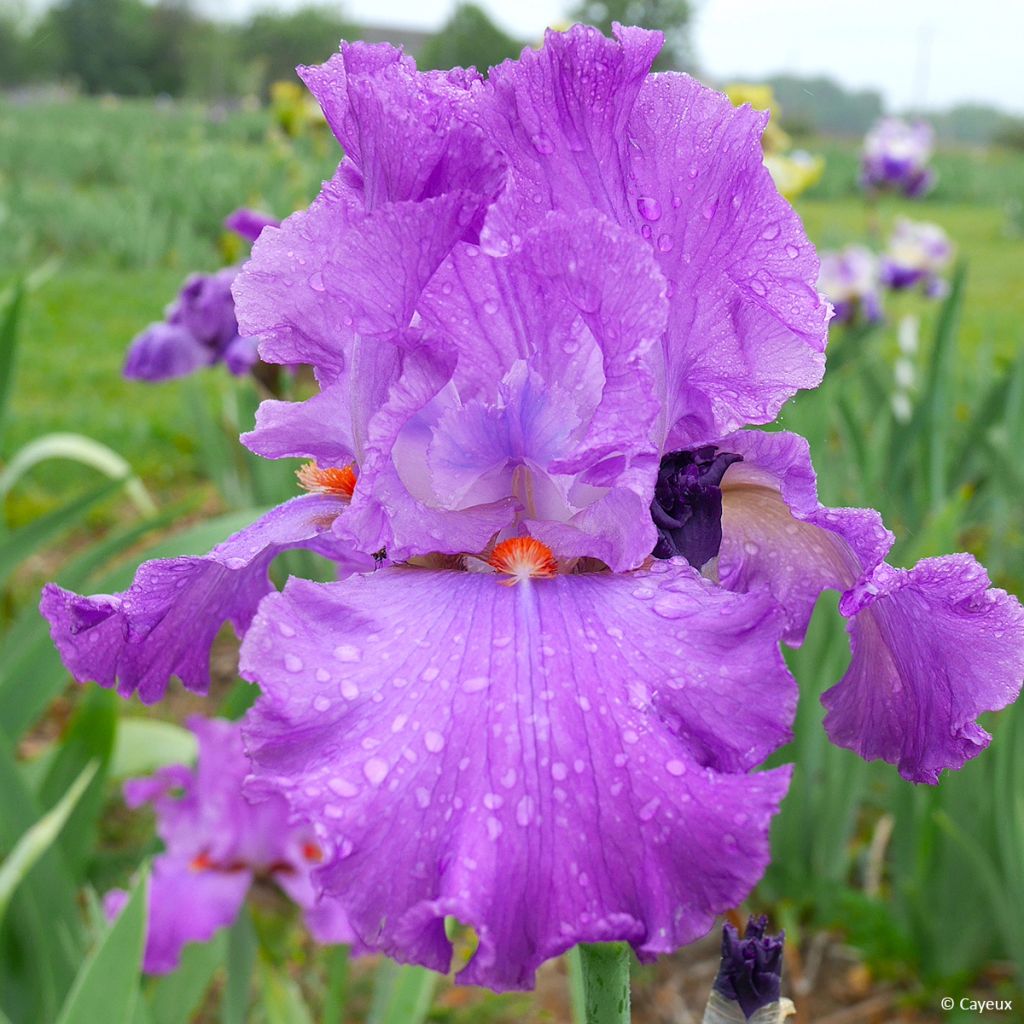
{"x":77,"y":448}
{"x":40,"y":837}
{"x":89,"y":740}
{"x":174,"y":998}
{"x":9,"y":320}
{"x":241,"y":955}
{"x":43,"y":930}
{"x":401,"y":994}
{"x":17,"y":546}
{"x":107,"y":986}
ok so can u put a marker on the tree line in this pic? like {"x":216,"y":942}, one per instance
{"x":168,"y":47}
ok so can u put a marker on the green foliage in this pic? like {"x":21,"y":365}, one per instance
{"x":469,"y":39}
{"x":106,"y":987}
{"x":820,"y":104}
{"x":278,"y":42}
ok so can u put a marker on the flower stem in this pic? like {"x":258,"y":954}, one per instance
{"x":602,"y":973}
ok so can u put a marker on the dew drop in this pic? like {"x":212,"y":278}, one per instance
{"x":342,"y":787}
{"x":476,"y":684}
{"x":376,"y":770}
{"x":293,"y":663}
{"x":650,"y":209}
{"x":346,"y":652}
{"x":676,"y":768}
{"x":316,"y":282}
{"x":542,"y":144}
{"x":665,"y":243}
{"x":321,"y":703}
{"x":433,"y":741}
{"x":524,"y":811}
{"x":648,"y":810}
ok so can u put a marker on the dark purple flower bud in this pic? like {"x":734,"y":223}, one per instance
{"x":751,"y":970}
{"x":164,"y":351}
{"x":249,"y":223}
{"x":687,"y":505}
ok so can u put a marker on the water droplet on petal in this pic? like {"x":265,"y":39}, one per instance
{"x":524,"y":811}
{"x":375,"y":770}
{"x":650,"y":208}
{"x":542,"y":144}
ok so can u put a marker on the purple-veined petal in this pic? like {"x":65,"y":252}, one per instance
{"x":406,"y":132}
{"x":333,"y":271}
{"x":165,"y":623}
{"x":384,"y":513}
{"x":319,"y":428}
{"x":564,"y":760}
{"x":585,"y":127}
{"x":561,"y":114}
{"x":933,"y":647}
{"x":747,"y":327}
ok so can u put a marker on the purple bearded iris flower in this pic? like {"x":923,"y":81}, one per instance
{"x":850,"y":280}
{"x":200,"y":328}
{"x":539,"y":309}
{"x":918,"y":254}
{"x":217,"y":844}
{"x":895,"y":157}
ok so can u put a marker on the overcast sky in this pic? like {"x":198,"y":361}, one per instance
{"x":929,"y":53}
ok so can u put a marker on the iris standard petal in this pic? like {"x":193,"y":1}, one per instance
{"x":165,"y":623}
{"x":585,"y":127}
{"x":539,"y":761}
{"x":560,"y":114}
{"x":310,"y":287}
{"x":407,"y":133}
{"x":747,"y":327}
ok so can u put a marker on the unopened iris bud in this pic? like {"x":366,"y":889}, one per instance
{"x":750,"y":976}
